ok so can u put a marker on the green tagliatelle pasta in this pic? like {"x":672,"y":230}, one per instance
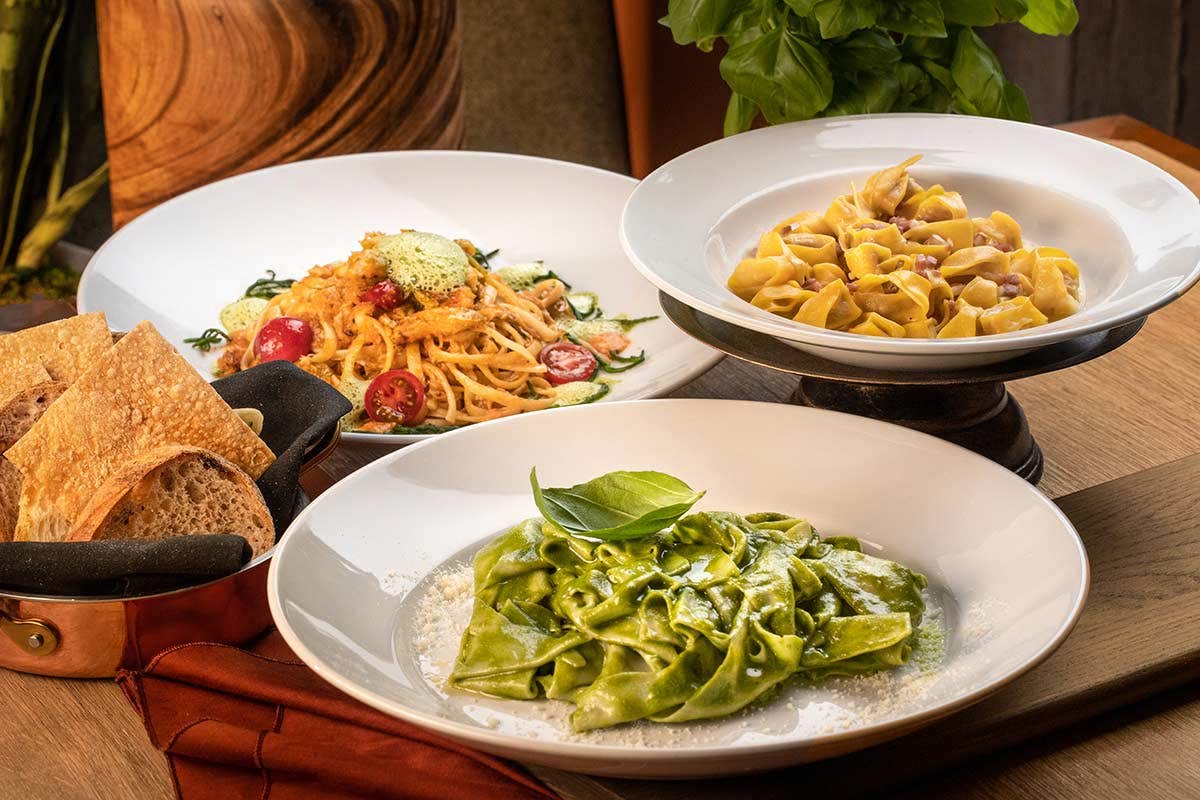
{"x":692,"y":622}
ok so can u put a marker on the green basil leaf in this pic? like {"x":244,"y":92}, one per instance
{"x":874,"y":94}
{"x":739,"y":114}
{"x":801,"y":7}
{"x":914,"y":17}
{"x":939,"y":49}
{"x":978,"y":78}
{"x":915,"y":86}
{"x":702,"y":21}
{"x":840,"y":17}
{"x":1016,"y":105}
{"x":981,"y":13}
{"x":865,"y":51}
{"x":781,"y":73}
{"x":616,"y":506}
{"x":1053,"y":17}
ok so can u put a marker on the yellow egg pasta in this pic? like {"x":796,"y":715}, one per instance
{"x":893,"y":258}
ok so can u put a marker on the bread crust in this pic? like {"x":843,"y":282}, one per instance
{"x":26,"y":407}
{"x":98,"y":519}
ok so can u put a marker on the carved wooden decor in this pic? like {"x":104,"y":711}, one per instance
{"x":196,"y":90}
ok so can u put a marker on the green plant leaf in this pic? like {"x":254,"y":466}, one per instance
{"x":801,"y":7}
{"x":874,"y":94}
{"x":866,"y":51}
{"x":1016,"y":105}
{"x":981,"y":13}
{"x":615,"y":506}
{"x":914,"y":17}
{"x":701,"y":21}
{"x":1052,"y":17}
{"x":840,"y":17}
{"x":57,"y":218}
{"x":781,"y":73}
{"x":981,"y":87}
{"x":739,"y":114}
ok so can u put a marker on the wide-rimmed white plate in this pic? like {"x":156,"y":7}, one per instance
{"x":370,"y":585}
{"x":180,"y":263}
{"x":1133,"y":229}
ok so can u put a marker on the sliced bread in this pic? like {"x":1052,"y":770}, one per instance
{"x":173,"y":490}
{"x":10,"y":495}
{"x":24,"y":408}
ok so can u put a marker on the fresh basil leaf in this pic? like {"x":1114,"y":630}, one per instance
{"x":801,"y":7}
{"x":915,"y":86}
{"x":1016,"y":105}
{"x":939,"y":74}
{"x":978,"y":78}
{"x":936,"y":49}
{"x":702,"y":21}
{"x":781,"y":73}
{"x":1053,"y":17}
{"x":914,"y":17}
{"x":616,"y":506}
{"x":840,"y":17}
{"x":866,"y":51}
{"x":981,"y":13}
{"x":739,"y":114}
{"x":873,"y":94}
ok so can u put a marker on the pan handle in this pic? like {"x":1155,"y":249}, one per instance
{"x":34,"y":636}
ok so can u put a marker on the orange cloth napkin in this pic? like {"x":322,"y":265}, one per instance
{"x":257,"y":723}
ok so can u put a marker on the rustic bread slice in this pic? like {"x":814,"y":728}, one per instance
{"x":10,"y":495}
{"x":173,"y":490}
{"x":20,"y":375}
{"x":25,"y":408}
{"x":138,"y":394}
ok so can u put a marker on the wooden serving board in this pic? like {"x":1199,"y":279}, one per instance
{"x":1123,"y":458}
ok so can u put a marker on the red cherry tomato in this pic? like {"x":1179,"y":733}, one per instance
{"x":283,"y":339}
{"x":566,"y":362}
{"x":395,"y":396}
{"x":385,"y":295}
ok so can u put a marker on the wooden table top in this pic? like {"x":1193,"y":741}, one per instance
{"x":1117,"y":430}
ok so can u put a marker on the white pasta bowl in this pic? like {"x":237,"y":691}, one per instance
{"x":1133,"y":229}
{"x":178,"y":264}
{"x":362,"y":586}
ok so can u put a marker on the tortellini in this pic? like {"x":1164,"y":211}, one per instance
{"x":896,"y":259}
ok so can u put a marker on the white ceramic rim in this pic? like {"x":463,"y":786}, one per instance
{"x":485,"y":738}
{"x":698,"y":365}
{"x":839,"y":340}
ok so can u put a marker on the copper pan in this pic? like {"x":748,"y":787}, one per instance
{"x":93,"y":637}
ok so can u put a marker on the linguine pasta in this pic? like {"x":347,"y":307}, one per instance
{"x":474,"y":347}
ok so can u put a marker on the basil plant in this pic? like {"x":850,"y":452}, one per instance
{"x":797,"y":59}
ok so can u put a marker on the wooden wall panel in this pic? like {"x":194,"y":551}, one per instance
{"x":196,"y":90}
{"x":541,"y":77}
{"x":1126,"y":60}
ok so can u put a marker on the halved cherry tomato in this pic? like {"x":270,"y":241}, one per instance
{"x":395,"y":396}
{"x":283,"y":339}
{"x":385,"y":295}
{"x":566,"y":362}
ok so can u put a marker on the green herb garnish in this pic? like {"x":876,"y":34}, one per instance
{"x":206,"y":340}
{"x":268,"y":287}
{"x":616,"y":506}
{"x":485,"y":259}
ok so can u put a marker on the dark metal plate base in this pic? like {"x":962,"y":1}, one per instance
{"x":968,"y":407}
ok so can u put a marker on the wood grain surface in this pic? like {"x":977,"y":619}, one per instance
{"x":196,"y":90}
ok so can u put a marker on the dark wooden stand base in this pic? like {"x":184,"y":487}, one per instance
{"x":982,"y":417}
{"x":969,"y":407}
